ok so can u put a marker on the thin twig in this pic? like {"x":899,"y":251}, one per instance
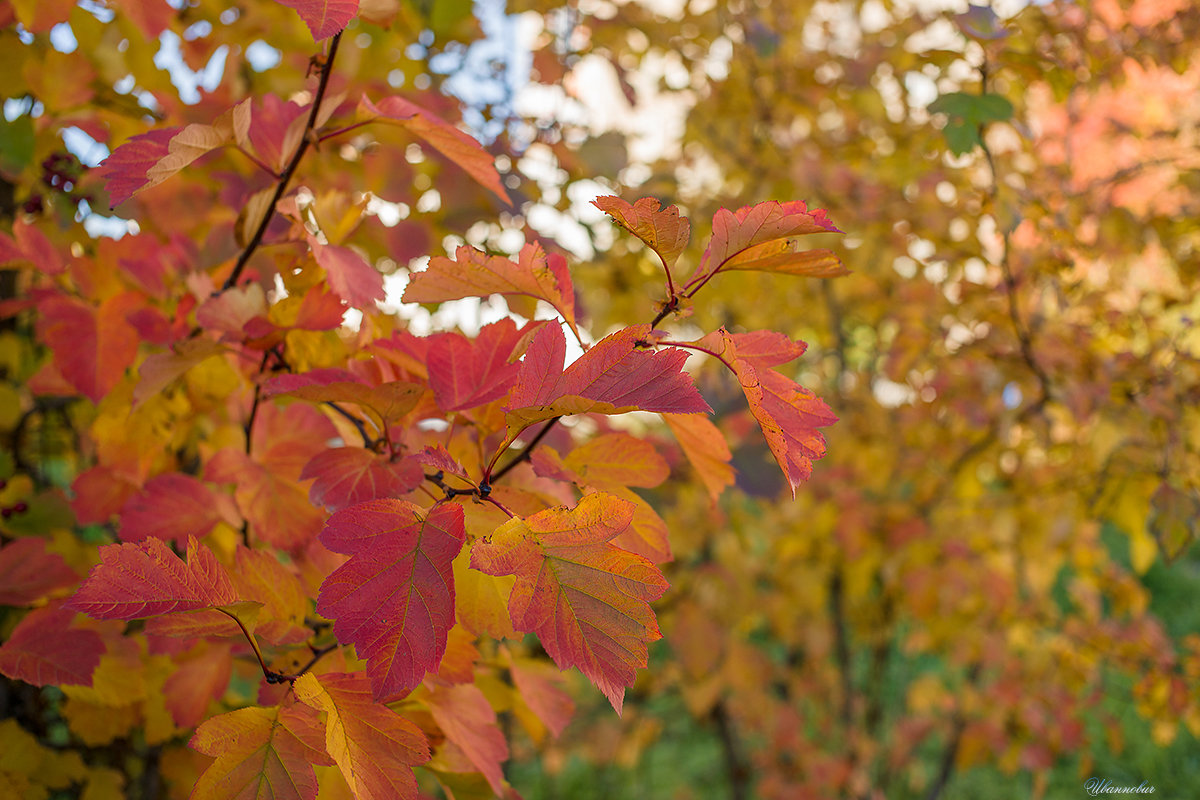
{"x":368,"y":442}
{"x":526,"y":452}
{"x":290,"y":170}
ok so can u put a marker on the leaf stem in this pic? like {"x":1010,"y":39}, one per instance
{"x":290,"y":170}
{"x":268,"y":673}
{"x":318,"y":654}
{"x":526,"y":452}
{"x":368,"y":442}
{"x":331,"y":134}
{"x":257,"y":162}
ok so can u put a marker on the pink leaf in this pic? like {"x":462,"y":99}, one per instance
{"x":346,"y":476}
{"x":324,"y":17}
{"x":465,"y":373}
{"x":350,"y":276}
{"x":442,"y":136}
{"x":469,"y":722}
{"x":394,"y":598}
{"x":614,"y":375}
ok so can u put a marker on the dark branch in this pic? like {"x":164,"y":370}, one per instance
{"x":524,"y":454}
{"x":290,"y":170}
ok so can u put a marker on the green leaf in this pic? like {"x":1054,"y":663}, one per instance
{"x":16,"y":144}
{"x":961,"y":138}
{"x":975,"y":109}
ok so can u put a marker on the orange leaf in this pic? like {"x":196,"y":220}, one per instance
{"x":92,"y":346}
{"x":542,"y":690}
{"x":374,"y":747}
{"x":277,"y":509}
{"x":448,"y":140}
{"x":199,"y":678}
{"x":261,"y":577}
{"x":738,"y":231}
{"x":788,"y":414}
{"x":587,"y":601}
{"x":261,"y":753}
{"x":618,"y":458}
{"x":389,"y":401}
{"x":705,"y":448}
{"x":784,"y":257}
{"x":664,"y":231}
{"x":473,"y":273}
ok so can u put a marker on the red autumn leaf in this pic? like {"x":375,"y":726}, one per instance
{"x":737,"y":231}
{"x":44,"y":650}
{"x":374,"y":747}
{"x":448,"y":140}
{"x":324,"y":17}
{"x":147,"y":579}
{"x":37,"y":248}
{"x":469,"y":722}
{"x":394,"y":598}
{"x":151,"y":17}
{"x":706,"y":449}
{"x":28,"y":573}
{"x":662,"y":229}
{"x":611,"y":378}
{"x":92,"y":346}
{"x":439,"y":458}
{"x":260,"y":753}
{"x":587,"y":601}
{"x":788,"y":414}
{"x":319,"y":311}
{"x":473,"y":273}
{"x":350,"y":276}
{"x":465,"y":373}
{"x":346,"y":476}
{"x":150,"y":158}
{"x":542,"y":690}
{"x":175,"y":507}
{"x":99,"y":494}
{"x":125,"y":169}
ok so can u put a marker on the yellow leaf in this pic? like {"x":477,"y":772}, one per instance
{"x":97,"y":724}
{"x":103,"y":783}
